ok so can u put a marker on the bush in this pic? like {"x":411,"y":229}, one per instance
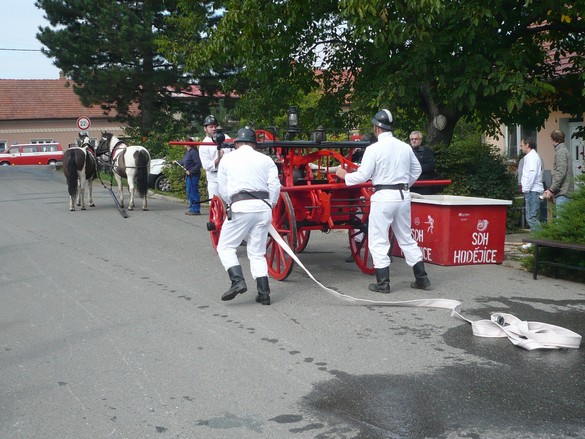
{"x":568,"y":226}
{"x":476,"y":169}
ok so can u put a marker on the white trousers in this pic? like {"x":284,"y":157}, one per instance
{"x":253,"y":227}
{"x":395,"y":214}
{"x":212,"y":185}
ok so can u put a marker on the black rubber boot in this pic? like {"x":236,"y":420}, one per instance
{"x":238,"y":283}
{"x":421,"y":282}
{"x":383,"y":279}
{"x":263,"y":296}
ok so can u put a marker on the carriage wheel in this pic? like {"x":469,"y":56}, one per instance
{"x":302,"y":240}
{"x":283,"y":219}
{"x":217,"y":215}
{"x":358,"y":243}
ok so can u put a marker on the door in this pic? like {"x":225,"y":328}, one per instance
{"x":577,"y":149}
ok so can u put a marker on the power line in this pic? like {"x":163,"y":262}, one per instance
{"x":20,"y":50}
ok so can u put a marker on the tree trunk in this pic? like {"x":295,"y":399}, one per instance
{"x":441,"y":121}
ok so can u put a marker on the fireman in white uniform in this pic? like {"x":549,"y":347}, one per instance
{"x":249,"y":184}
{"x":210,"y":156}
{"x":393,"y":168}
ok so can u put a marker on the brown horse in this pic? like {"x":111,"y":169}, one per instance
{"x":80,"y":169}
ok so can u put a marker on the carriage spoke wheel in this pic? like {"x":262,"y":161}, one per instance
{"x":358,"y":244}
{"x":280,"y":263}
{"x":302,"y":239}
{"x":217,"y":215}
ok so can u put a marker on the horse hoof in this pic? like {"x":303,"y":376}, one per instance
{"x":83,"y":208}
{"x":92,"y":205}
{"x":145,"y":208}
{"x":72,"y":209}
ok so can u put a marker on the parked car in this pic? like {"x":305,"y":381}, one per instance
{"x":32,"y":154}
{"x":157,"y":179}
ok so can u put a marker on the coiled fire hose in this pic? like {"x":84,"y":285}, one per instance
{"x":527,"y":335}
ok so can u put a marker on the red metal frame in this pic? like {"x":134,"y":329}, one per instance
{"x":312,"y":198}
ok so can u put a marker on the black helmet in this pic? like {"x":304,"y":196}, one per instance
{"x":210,"y":120}
{"x":383,"y":119}
{"x":246,"y":134}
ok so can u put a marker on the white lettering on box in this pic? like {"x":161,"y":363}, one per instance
{"x":418,"y":235}
{"x":480,"y":238}
{"x":476,"y":256}
{"x":427,"y":253}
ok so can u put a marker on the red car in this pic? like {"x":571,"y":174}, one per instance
{"x":32,"y":154}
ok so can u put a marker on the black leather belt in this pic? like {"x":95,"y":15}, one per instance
{"x":396,"y":187}
{"x":252,"y":195}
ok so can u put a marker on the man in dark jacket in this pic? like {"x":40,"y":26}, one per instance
{"x":192,"y":165}
{"x":426,"y":158}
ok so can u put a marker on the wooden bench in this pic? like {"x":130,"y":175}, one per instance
{"x":552,"y":243}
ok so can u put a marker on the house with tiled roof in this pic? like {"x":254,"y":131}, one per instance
{"x":46,"y":110}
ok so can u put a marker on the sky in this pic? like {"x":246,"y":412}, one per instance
{"x":20,"y":22}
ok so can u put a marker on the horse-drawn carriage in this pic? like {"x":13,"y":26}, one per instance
{"x":312,"y":198}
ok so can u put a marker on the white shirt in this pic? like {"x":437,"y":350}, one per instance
{"x":531,"y":180}
{"x":208,"y":154}
{"x":388,"y":161}
{"x":247,"y":170}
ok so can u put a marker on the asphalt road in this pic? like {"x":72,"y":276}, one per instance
{"x":114,"y":328}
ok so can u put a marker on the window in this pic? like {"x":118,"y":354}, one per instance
{"x":514,"y":136}
{"x":41,"y":141}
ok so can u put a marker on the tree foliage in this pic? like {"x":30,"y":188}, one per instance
{"x":504,"y":61}
{"x":107,"y":49}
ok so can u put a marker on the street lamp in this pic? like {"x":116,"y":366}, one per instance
{"x":292,"y":122}
{"x":292,"y":118}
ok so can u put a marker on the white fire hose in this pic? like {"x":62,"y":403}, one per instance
{"x":527,"y":335}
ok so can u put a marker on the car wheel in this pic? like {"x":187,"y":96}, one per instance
{"x":162,"y":183}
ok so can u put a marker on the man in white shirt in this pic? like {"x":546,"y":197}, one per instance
{"x":248,"y":183}
{"x":393,"y":168}
{"x":531,"y":182}
{"x":210,"y":155}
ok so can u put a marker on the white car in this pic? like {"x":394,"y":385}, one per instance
{"x":157,"y":179}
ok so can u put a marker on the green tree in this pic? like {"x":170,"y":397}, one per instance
{"x":107,"y":49}
{"x":504,"y":61}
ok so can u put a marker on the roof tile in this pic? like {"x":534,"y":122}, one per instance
{"x":23,"y":99}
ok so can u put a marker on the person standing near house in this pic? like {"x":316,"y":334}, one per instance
{"x":393,"y":168}
{"x":531,"y":182}
{"x":426,"y":158}
{"x":248,"y":183}
{"x":562,"y":176}
{"x":191,"y":163}
{"x":211,"y":155}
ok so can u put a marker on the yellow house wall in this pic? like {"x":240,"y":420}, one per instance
{"x":545,"y":149}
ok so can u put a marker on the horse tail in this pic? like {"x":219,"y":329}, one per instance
{"x":142,"y":174}
{"x":72,"y":174}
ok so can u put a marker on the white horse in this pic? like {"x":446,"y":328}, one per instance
{"x":130,"y":162}
{"x":80,"y":169}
